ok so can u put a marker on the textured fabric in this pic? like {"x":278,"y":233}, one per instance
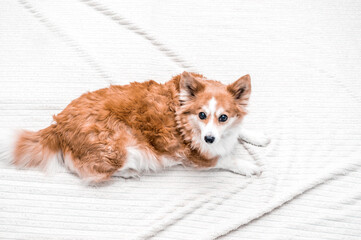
{"x":304,"y":58}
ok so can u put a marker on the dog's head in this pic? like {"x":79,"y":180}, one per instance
{"x":212,"y":111}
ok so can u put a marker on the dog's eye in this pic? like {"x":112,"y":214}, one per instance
{"x":223,"y":118}
{"x":202,"y":115}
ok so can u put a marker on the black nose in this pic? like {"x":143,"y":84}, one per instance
{"x":209,"y":139}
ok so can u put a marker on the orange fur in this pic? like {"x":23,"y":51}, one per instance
{"x":95,"y":129}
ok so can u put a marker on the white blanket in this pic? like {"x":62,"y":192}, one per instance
{"x":304,"y":59}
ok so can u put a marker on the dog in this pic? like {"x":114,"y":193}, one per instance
{"x":140,"y":127}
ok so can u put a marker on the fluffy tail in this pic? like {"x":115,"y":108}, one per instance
{"x":39,"y":150}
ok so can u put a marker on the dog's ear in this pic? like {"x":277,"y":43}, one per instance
{"x":241,"y":89}
{"x":189,"y":85}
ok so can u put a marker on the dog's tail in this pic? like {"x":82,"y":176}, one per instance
{"x":27,"y":149}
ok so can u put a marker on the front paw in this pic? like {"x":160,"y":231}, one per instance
{"x":128,"y":173}
{"x":248,"y":169}
{"x":261,"y":140}
{"x":255,"y":138}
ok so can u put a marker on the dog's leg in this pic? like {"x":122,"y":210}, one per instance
{"x":94,"y":167}
{"x":128,"y":173}
{"x":138,"y":160}
{"x":254,"y":137}
{"x":234,"y":164}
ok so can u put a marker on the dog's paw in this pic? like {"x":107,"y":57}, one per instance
{"x":128,"y":173}
{"x":255,"y":138}
{"x":248,"y":169}
{"x":261,"y":140}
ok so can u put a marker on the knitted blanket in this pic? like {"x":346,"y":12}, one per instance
{"x":304,"y":59}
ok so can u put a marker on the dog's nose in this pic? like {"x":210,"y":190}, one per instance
{"x":209,"y":139}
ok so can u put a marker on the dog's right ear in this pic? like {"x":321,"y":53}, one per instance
{"x":241,"y":89}
{"x":189,"y":86}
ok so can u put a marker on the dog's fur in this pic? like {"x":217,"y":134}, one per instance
{"x":125,"y":130}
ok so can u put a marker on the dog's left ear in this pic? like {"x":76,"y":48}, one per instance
{"x":190,"y":85}
{"x":241,"y":89}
